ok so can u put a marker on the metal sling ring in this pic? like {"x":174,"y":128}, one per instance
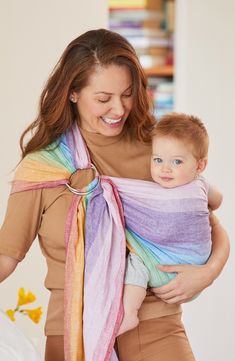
{"x":80,"y":193}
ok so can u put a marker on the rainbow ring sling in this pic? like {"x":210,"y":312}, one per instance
{"x":103,"y":218}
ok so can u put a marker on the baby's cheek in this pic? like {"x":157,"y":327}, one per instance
{"x":153,"y":172}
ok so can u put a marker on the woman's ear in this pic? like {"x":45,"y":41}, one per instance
{"x":202,"y":163}
{"x":73,"y":97}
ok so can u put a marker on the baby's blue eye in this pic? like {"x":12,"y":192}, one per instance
{"x":177,"y":161}
{"x":157,"y":160}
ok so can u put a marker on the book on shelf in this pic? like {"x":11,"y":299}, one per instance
{"x":161,"y":92}
{"x":147,"y":42}
{"x":126,"y":4}
{"x":138,"y":30}
{"x":150,"y":61}
{"x":136,"y":15}
{"x":170,"y":15}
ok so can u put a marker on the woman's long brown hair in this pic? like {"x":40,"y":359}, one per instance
{"x":71,"y":74}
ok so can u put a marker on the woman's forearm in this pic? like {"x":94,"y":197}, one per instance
{"x":7,"y":266}
{"x":220,"y":248}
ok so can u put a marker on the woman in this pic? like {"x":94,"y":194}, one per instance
{"x":97,"y":89}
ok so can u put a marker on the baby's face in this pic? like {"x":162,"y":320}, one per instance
{"x":173,"y":163}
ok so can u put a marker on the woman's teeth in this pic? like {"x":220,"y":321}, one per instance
{"x":110,"y":120}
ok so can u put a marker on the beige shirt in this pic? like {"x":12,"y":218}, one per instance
{"x":43,"y":212}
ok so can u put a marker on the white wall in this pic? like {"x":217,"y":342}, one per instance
{"x":33,"y":35}
{"x":205,"y":80}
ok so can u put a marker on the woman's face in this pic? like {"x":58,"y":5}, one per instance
{"x":105,"y":103}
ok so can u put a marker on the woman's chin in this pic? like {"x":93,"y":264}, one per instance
{"x":111,"y":130}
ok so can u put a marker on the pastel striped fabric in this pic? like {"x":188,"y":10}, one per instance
{"x":161,"y":228}
{"x":166,"y":226}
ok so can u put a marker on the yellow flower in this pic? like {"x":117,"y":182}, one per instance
{"x":23,"y":298}
{"x":10,"y":313}
{"x":34,"y":314}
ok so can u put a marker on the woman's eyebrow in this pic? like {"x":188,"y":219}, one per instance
{"x":107,"y":93}
{"x":103,"y":92}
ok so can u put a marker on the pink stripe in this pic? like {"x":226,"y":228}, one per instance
{"x":19,"y":186}
{"x":81,"y":153}
{"x":70,"y":238}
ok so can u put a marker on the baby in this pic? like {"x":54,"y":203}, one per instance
{"x":179,"y":156}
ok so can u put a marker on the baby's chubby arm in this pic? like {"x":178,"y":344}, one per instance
{"x":215,"y":197}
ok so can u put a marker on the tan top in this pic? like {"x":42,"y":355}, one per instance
{"x":43,"y":212}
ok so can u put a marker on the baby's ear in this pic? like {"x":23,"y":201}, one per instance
{"x":202,"y":163}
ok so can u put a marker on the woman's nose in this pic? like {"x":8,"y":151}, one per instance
{"x":118,"y":108}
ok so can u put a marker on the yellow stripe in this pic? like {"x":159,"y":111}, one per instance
{"x":33,"y":171}
{"x":78,"y":285}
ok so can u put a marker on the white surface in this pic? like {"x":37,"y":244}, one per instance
{"x":14,"y":345}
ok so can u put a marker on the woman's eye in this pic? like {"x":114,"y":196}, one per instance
{"x":157,"y":160}
{"x":127,"y":95}
{"x":103,"y":100}
{"x":177,"y":162}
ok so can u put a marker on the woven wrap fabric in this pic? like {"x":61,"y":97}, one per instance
{"x":165,"y":226}
{"x":95,"y":248}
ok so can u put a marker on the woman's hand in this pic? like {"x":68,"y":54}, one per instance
{"x":189,"y":281}
{"x":192,"y":279}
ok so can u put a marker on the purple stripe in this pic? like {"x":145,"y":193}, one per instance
{"x":76,"y":144}
{"x":69,"y":136}
{"x":94,"y":215}
{"x":167,"y":205}
{"x":168,"y":228}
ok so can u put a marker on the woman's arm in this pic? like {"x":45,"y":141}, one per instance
{"x":19,"y":228}
{"x":192,"y":279}
{"x":7,"y":266}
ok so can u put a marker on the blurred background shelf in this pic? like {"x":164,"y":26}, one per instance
{"x":161,"y":71}
{"x":149,"y":26}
